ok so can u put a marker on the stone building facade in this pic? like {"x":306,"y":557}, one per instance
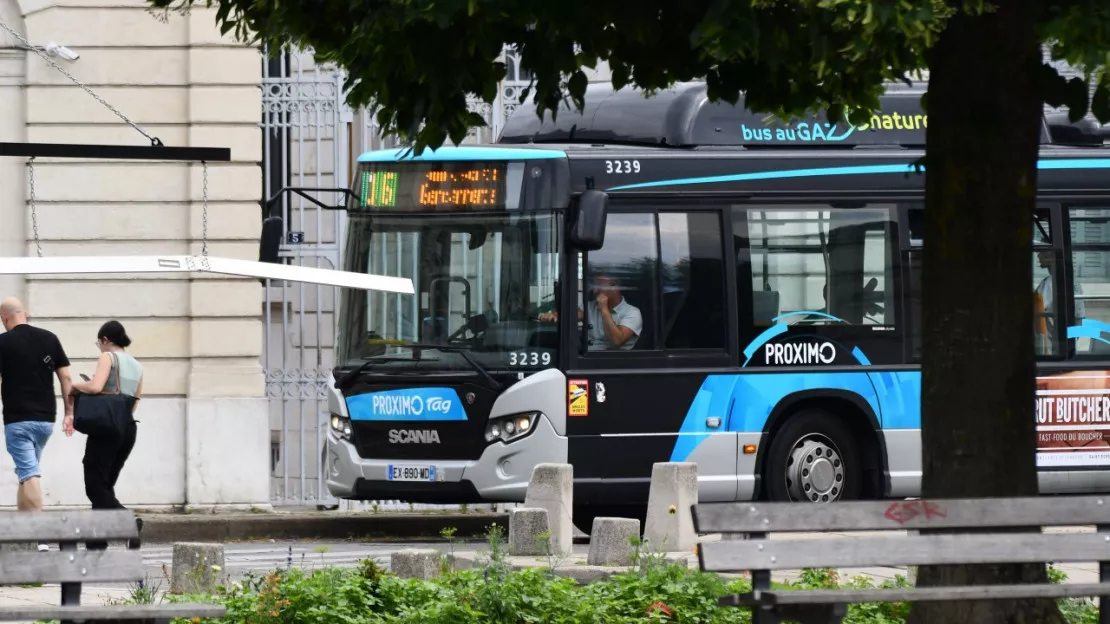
{"x":204,"y":436}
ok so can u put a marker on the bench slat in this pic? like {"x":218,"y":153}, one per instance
{"x":58,"y":526}
{"x":895,"y":515}
{"x":98,"y":612}
{"x":933,"y":594}
{"x":728,"y":556}
{"x":56,"y":567}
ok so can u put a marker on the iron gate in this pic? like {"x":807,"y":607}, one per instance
{"x":311,"y":139}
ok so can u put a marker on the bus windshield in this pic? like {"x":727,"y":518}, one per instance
{"x":480,"y":282}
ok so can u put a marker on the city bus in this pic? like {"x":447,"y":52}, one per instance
{"x":668,"y":279}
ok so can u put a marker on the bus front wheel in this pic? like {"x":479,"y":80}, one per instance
{"x":813,"y":458}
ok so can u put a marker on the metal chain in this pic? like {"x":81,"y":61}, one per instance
{"x":204,"y":212}
{"x":45,"y":57}
{"x":34,"y":205}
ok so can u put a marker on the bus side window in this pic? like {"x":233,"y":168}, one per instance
{"x":1046,"y":280}
{"x":819,"y":265}
{"x":624,"y":274}
{"x":1090,"y":280}
{"x":693,"y":281}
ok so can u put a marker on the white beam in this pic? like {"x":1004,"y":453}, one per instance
{"x":71,"y":265}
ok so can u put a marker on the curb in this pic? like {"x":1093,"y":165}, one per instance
{"x":164,"y":528}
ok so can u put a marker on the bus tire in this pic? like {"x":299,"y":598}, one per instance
{"x":813,"y":458}
{"x":583,"y":515}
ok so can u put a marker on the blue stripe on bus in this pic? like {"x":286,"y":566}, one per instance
{"x":748,"y":400}
{"x":1063,"y":163}
{"x":449,"y":153}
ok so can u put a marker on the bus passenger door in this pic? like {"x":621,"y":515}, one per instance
{"x":652,"y":339}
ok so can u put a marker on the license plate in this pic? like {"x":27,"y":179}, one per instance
{"x":410,"y":473}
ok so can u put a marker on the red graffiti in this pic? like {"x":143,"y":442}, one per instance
{"x":905,"y":511}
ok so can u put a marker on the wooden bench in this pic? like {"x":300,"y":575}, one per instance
{"x":994,"y":540}
{"x":71,"y":566}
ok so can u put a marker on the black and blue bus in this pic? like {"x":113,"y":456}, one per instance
{"x":664,"y":278}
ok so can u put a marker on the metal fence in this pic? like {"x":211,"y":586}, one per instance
{"x":311,"y":139}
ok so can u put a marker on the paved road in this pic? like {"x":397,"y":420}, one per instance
{"x":240,"y":559}
{"x":259,"y":558}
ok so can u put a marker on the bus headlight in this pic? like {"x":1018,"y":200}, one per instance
{"x":341,"y":426}
{"x":510,"y":428}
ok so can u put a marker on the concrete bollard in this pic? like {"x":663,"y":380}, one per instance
{"x":552,"y":488}
{"x":415,"y":564}
{"x":670,"y":523}
{"x":611,"y":541}
{"x":526,"y":526}
{"x":197,"y":568}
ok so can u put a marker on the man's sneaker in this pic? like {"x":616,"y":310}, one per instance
{"x":43,"y":547}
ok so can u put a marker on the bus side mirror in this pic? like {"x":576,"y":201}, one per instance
{"x":588,"y":233}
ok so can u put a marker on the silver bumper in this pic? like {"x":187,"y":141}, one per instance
{"x":500,"y":474}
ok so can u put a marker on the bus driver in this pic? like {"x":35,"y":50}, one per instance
{"x":613,"y":322}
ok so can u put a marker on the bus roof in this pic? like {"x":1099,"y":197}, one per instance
{"x":463,"y":153}
{"x":683,"y":117}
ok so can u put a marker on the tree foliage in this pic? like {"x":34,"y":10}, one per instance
{"x":416,"y":62}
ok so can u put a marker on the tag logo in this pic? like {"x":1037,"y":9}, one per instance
{"x":410,"y":405}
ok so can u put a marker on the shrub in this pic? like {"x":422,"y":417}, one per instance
{"x":655,"y":590}
{"x":495,"y":595}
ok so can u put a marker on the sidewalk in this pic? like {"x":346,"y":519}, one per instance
{"x":48,"y":595}
{"x":574,"y":566}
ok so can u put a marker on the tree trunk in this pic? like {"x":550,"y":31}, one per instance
{"x":978,"y":365}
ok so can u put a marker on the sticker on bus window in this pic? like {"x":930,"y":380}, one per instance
{"x":578,"y":397}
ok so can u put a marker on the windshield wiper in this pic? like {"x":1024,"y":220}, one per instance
{"x":341,"y":384}
{"x":464,"y":351}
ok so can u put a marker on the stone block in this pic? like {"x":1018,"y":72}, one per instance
{"x":227,"y":337}
{"x":241,"y":448}
{"x":611,"y":541}
{"x":670,"y":523}
{"x":527,"y":528}
{"x":197,"y":567}
{"x":552,"y":488}
{"x":415,"y":563}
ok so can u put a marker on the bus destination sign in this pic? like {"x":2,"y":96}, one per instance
{"x":441,"y":187}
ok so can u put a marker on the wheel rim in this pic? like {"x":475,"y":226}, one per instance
{"x":815,"y":470}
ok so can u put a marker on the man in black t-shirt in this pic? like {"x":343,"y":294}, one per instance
{"x":30,"y":358}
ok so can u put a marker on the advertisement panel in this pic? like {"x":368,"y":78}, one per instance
{"x":1073,"y":419}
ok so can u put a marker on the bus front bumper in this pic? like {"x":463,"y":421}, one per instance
{"x":500,"y":475}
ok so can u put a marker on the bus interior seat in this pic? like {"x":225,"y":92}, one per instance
{"x":765,"y":307}
{"x":1099,"y":347}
